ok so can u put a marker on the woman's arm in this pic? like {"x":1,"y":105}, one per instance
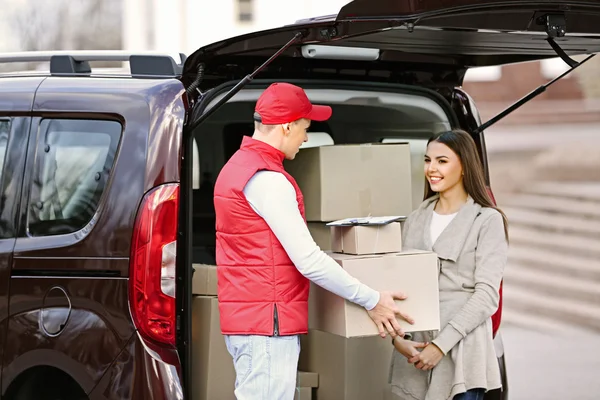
{"x":407,"y":348}
{"x":490,"y":261}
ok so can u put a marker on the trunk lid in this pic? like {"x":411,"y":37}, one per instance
{"x":426,"y":42}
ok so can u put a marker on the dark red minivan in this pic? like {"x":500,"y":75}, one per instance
{"x":106,"y":179}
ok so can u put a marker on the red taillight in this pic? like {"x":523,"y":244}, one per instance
{"x":152,"y":265}
{"x":497,"y":317}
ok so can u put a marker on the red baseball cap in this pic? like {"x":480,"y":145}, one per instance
{"x":282,"y":102}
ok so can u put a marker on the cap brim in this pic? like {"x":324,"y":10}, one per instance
{"x":319,"y":113}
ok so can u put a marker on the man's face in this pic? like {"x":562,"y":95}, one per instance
{"x":295,"y":133}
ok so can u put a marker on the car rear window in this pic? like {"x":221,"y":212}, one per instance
{"x":74,"y":159}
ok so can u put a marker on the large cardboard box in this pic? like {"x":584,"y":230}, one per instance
{"x":367,"y":239}
{"x":204,"y":280}
{"x":349,"y":369}
{"x":412,"y":272}
{"x":343,"y":181}
{"x":212,"y":366}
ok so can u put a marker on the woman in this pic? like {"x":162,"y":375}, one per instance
{"x":458,"y":221}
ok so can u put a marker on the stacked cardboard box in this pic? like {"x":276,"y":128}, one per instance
{"x":343,"y":345}
{"x":412,"y":272}
{"x":358,"y":182}
{"x":344,"y":181}
{"x":306,"y":383}
{"x":212,"y":365}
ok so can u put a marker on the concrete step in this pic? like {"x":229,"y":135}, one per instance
{"x":553,"y":285}
{"x":571,"y":190}
{"x":556,"y":262}
{"x":524,"y":236}
{"x":539,"y":323}
{"x":559,"y":309}
{"x":553,"y":223}
{"x":554,"y":205}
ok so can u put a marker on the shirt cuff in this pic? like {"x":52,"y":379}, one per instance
{"x":447,"y":339}
{"x":373,"y":299}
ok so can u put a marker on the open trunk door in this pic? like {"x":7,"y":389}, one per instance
{"x":421,"y":42}
{"x":451,"y":34}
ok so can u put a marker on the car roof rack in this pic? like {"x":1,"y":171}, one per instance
{"x":77,"y":62}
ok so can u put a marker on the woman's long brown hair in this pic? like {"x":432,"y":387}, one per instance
{"x":461,"y":143}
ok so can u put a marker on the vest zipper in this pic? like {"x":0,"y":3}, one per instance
{"x":276,"y":321}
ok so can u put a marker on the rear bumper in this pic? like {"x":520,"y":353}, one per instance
{"x":141,"y":373}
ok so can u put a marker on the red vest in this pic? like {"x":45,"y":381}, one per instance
{"x":260,"y":290}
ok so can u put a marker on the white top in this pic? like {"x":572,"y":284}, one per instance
{"x":439,"y":222}
{"x":273,"y":197}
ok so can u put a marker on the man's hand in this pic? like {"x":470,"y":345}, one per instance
{"x":384,"y":314}
{"x":428,"y":358}
{"x":408,"y":348}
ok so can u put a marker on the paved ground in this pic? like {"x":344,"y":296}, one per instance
{"x":535,"y":138}
{"x":549,"y":363}
{"x":561,"y":365}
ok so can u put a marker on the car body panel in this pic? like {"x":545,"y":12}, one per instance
{"x":79,"y":281}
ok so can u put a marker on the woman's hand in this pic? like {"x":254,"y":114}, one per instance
{"x":408,"y":348}
{"x":428,"y":358}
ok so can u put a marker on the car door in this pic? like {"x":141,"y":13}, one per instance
{"x":13,"y":136}
{"x":13,"y":139}
{"x":16,"y":98}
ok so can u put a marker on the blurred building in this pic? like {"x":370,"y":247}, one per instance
{"x":185,"y":25}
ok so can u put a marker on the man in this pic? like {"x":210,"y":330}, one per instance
{"x":266,"y":255}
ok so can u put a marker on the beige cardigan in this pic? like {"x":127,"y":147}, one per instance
{"x":472,"y":252}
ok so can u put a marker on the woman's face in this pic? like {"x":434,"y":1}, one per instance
{"x":443,"y":168}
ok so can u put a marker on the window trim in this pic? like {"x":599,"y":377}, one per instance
{"x":11,"y":132}
{"x":62,"y":239}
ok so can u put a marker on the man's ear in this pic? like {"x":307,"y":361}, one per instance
{"x":286,"y":128}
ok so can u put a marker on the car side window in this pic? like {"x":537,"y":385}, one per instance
{"x":73,"y":162}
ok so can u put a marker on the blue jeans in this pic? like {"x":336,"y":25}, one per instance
{"x":265,"y":366}
{"x":473,"y":394}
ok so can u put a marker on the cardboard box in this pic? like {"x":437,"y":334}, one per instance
{"x":204,"y":280}
{"x":306,"y":382}
{"x":412,"y":272}
{"x":303,"y":393}
{"x":343,"y":181}
{"x":349,"y":369}
{"x":321,"y":233}
{"x":212,"y":365}
{"x":307,"y":379}
{"x":367,"y":239}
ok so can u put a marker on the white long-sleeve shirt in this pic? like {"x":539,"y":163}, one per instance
{"x":273,"y":198}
